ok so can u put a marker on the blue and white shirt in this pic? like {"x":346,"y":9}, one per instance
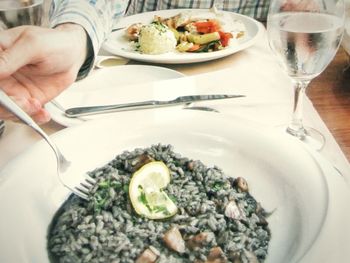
{"x":95,"y":16}
{"x":253,"y":8}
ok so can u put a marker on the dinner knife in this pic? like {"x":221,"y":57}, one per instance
{"x":91,"y":110}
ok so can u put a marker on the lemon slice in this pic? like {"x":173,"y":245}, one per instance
{"x":146,"y":191}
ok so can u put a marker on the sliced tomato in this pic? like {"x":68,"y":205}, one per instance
{"x":225,"y":38}
{"x":205,"y":27}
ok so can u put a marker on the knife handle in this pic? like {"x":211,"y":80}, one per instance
{"x":91,"y":110}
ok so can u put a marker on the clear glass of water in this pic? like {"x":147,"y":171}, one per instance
{"x":305,"y":36}
{"x":346,"y":38}
{"x":20,"y":12}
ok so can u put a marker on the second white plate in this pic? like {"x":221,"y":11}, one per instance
{"x":117,"y":44}
{"x":103,"y":86}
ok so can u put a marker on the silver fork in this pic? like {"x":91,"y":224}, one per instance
{"x":82,"y":185}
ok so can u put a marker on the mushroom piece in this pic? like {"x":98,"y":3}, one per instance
{"x":199,"y":240}
{"x":248,"y":256}
{"x":147,"y":256}
{"x":140,"y":161}
{"x":251,"y":257}
{"x":216,"y":255}
{"x":173,"y":240}
{"x":233,"y":211}
{"x":190,"y":165}
{"x":242,"y":184}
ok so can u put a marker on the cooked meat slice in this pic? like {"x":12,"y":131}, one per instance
{"x":133,"y":31}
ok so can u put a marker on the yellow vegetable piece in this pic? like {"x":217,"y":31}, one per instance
{"x":184,"y":46}
{"x":203,"y":39}
{"x":146,"y":191}
{"x":176,"y":33}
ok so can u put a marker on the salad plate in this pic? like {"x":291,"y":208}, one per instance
{"x":309,"y":220}
{"x":118,"y":44}
{"x":105,"y":86}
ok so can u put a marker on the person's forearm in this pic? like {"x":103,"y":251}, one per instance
{"x":79,"y":38}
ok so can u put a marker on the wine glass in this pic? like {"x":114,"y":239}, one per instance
{"x":346,"y":38}
{"x":20,"y":12}
{"x":305,"y":36}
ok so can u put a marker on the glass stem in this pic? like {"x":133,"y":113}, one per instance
{"x":296,"y":127}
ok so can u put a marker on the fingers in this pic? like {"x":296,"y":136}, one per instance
{"x":16,"y":52}
{"x":9,"y":36}
{"x":31,"y":106}
{"x":42,"y":116}
{"x":14,"y":58}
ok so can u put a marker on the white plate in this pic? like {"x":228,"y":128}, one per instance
{"x":311,"y":219}
{"x":104,"y":86}
{"x":117,"y":44}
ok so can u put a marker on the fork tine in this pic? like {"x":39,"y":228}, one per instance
{"x":90,"y":180}
{"x":85,"y":189}
{"x":82,"y":190}
{"x":86,"y":186}
{"x":80,"y":194}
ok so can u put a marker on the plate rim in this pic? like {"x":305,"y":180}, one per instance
{"x":57,"y":114}
{"x":245,"y":122}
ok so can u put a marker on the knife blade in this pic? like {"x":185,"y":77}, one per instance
{"x":118,"y":28}
{"x":91,"y":110}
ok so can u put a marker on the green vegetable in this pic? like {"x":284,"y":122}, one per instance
{"x":215,"y":45}
{"x":142,"y":198}
{"x":126,"y":188}
{"x":162,"y":209}
{"x":160,"y":27}
{"x":218,"y":186}
{"x":103,"y":193}
{"x":203,"y":39}
{"x":116,"y":185}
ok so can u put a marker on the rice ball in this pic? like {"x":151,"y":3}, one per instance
{"x":156,"y":38}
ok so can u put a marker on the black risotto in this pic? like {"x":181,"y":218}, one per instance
{"x":217,"y":220}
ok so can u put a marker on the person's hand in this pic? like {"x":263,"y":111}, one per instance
{"x":37,"y":63}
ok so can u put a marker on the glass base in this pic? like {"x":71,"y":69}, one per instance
{"x":309,"y":136}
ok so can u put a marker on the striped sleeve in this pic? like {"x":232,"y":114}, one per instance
{"x":253,"y":8}
{"x":95,"y":16}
